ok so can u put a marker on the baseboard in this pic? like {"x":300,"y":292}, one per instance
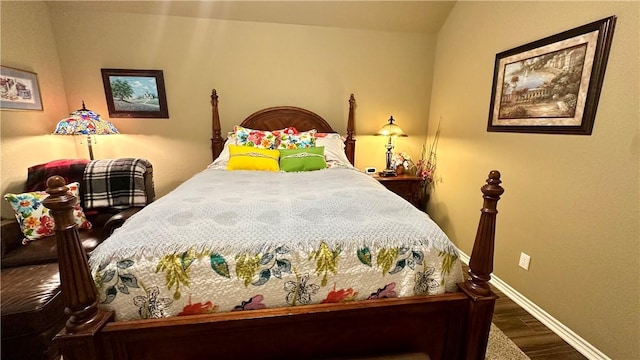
{"x":573,"y":339}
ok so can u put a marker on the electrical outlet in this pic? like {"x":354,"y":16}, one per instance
{"x":524,"y":261}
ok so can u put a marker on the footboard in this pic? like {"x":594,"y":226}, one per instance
{"x":449,"y":326}
{"x":392,"y":326}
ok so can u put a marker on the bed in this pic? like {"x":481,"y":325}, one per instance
{"x":348,"y":269}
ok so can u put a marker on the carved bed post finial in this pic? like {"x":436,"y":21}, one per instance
{"x":481,"y":263}
{"x":480,"y":311}
{"x":350,"y":143}
{"x":78,"y":290}
{"x":217,"y":142}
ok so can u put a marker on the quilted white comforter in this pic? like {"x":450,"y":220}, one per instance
{"x":242,"y":240}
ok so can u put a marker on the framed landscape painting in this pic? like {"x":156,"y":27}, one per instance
{"x":135,"y":93}
{"x":19,"y":90}
{"x":552,"y":85}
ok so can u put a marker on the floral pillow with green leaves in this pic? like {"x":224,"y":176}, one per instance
{"x":291,"y":138}
{"x":34,"y":218}
{"x":261,"y":139}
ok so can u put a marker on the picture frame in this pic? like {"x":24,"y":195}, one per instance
{"x":552,"y":85}
{"x":135,"y":93}
{"x":19,"y":90}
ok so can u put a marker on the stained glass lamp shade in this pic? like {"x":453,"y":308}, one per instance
{"x":391,"y":130}
{"x":85,"y":122}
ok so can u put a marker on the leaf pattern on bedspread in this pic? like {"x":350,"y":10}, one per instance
{"x":246,"y":267}
{"x":326,"y":261}
{"x":124,"y":281}
{"x":398,"y":258}
{"x":364,"y":255}
{"x":272,"y":263}
{"x":386,"y":258}
{"x":177,"y":267}
{"x":448,"y":261}
{"x":219,"y":265}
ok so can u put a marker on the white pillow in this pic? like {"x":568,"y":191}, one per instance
{"x":221,"y":161}
{"x":333,"y":148}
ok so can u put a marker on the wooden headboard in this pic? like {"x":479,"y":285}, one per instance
{"x":280,"y":117}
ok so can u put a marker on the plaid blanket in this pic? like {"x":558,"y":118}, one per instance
{"x":115,"y":183}
{"x":71,"y":170}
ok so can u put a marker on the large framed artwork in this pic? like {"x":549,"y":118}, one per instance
{"x":135,"y":93}
{"x":552,"y":85}
{"x":19,"y":90}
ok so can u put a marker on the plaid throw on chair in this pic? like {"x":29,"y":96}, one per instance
{"x":71,"y":170}
{"x":115,"y":183}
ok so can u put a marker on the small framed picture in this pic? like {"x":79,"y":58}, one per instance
{"x":552,"y":85}
{"x":19,"y":90}
{"x":135,"y":93}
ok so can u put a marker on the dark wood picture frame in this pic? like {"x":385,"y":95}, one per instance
{"x":135,"y":93}
{"x":552,"y":85}
{"x":19,"y":89}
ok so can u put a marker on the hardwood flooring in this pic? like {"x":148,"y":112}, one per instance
{"x":529,"y":334}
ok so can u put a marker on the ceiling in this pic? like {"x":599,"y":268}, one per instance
{"x":402,"y":16}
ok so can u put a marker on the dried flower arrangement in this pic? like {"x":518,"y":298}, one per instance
{"x":426,"y":166}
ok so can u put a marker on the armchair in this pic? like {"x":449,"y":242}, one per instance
{"x":32,"y":306}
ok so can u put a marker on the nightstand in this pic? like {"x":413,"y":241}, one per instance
{"x":407,"y":186}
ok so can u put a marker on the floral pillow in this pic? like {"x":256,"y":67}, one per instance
{"x":34,"y":218}
{"x":261,"y":139}
{"x":290,"y":138}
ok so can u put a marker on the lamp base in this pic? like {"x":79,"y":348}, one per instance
{"x":387,"y":172}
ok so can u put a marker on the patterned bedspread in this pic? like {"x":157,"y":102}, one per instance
{"x":243,"y":240}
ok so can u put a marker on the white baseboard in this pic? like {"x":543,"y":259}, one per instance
{"x":573,"y":339}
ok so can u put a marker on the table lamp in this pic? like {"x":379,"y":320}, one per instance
{"x":85,"y":122}
{"x":390,"y":130}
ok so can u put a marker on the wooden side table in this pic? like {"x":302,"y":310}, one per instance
{"x":407,"y":186}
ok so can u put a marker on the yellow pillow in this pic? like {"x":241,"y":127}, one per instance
{"x":251,"y":158}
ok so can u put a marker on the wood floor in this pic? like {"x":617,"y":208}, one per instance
{"x":531,"y":336}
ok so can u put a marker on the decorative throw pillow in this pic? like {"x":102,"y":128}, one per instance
{"x":34,"y":218}
{"x":251,"y":158}
{"x":290,"y":138}
{"x":255,"y":138}
{"x":308,"y":159}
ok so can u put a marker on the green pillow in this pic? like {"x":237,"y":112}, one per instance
{"x":307,"y":159}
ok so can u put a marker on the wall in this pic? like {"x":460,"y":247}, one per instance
{"x":252,"y":66}
{"x":571,"y":202}
{"x":28,"y":44}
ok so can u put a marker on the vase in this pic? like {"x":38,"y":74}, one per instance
{"x":399,"y":170}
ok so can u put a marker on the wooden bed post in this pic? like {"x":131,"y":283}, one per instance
{"x":217,"y":142}
{"x":77,"y":340}
{"x":350,"y":143}
{"x":480,"y":267}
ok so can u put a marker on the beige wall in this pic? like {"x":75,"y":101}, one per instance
{"x":571,"y":202}
{"x":252,"y":65}
{"x":28,"y":44}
